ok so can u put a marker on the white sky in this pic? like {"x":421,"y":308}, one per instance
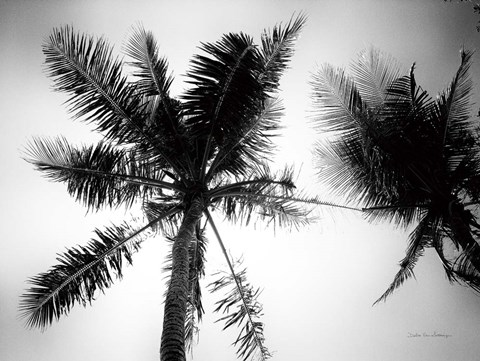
{"x":319,"y":283}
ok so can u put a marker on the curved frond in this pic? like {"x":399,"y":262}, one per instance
{"x":85,"y":68}
{"x":226,"y":92}
{"x":248,"y":141}
{"x":465,"y":272}
{"x":98,"y":175}
{"x":151,"y":70}
{"x":338,"y":101}
{"x":250,"y":145}
{"x":156,"y":207}
{"x":271,"y":197}
{"x":277,"y":49}
{"x":453,"y":114}
{"x":460,"y":269}
{"x":247,"y":309}
{"x":242,"y":308}
{"x":153,"y":82}
{"x":423,"y":236}
{"x":373,"y":72}
{"x":80,"y":274}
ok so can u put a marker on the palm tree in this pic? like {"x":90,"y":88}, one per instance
{"x":405,"y":157}
{"x":180,"y":158}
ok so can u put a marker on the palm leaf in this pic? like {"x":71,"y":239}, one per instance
{"x":156,"y":206}
{"x":81,"y":273}
{"x":152,"y":81}
{"x":424,"y":235}
{"x":225,"y":92}
{"x":97,"y":175}
{"x":84,"y":67}
{"x":251,"y":144}
{"x":373,"y":72}
{"x":453,"y":114}
{"x":268,"y":196}
{"x":242,"y":308}
{"x":277,"y":49}
{"x":243,"y":298}
{"x":249,"y":141}
{"x":151,"y":70}
{"x":338,"y":100}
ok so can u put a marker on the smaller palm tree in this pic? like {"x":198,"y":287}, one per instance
{"x":405,"y":157}
{"x":181,"y":159}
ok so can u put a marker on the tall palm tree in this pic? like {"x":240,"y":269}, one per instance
{"x":180,"y":158}
{"x":405,"y":157}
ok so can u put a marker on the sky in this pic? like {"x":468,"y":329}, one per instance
{"x":318,"y":283}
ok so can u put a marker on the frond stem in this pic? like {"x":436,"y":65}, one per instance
{"x":218,"y":192}
{"x":285,"y":198}
{"x":366,"y":209}
{"x":127,"y":178}
{"x":230,"y":266}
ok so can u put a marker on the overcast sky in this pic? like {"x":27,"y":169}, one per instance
{"x":319,"y":283}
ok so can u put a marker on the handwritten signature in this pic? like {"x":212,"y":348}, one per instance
{"x":426,"y":334}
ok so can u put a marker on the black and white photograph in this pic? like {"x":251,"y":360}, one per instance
{"x":240,"y":180}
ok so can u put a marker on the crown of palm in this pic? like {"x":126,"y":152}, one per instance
{"x":404,"y":156}
{"x":213,"y":143}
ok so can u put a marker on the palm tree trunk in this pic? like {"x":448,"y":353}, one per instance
{"x":173,"y":335}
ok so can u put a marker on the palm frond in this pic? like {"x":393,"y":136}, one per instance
{"x":258,"y":178}
{"x":373,"y":72}
{"x":423,"y":236}
{"x":336,"y":169}
{"x":277,"y":49}
{"x":453,"y":114}
{"x":379,"y":139}
{"x":249,"y":141}
{"x":458,"y":266}
{"x":439,"y":245}
{"x":270,"y":197}
{"x":97,"y":175}
{"x":407,"y":107}
{"x":339,"y":103}
{"x":80,"y":274}
{"x":152,"y":81}
{"x":243,"y":309}
{"x":84,"y":67}
{"x":381,"y":195}
{"x":226,"y":92}
{"x":248,"y":310}
{"x":465,"y":271}
{"x":151,"y":69}
{"x":251,"y":144}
